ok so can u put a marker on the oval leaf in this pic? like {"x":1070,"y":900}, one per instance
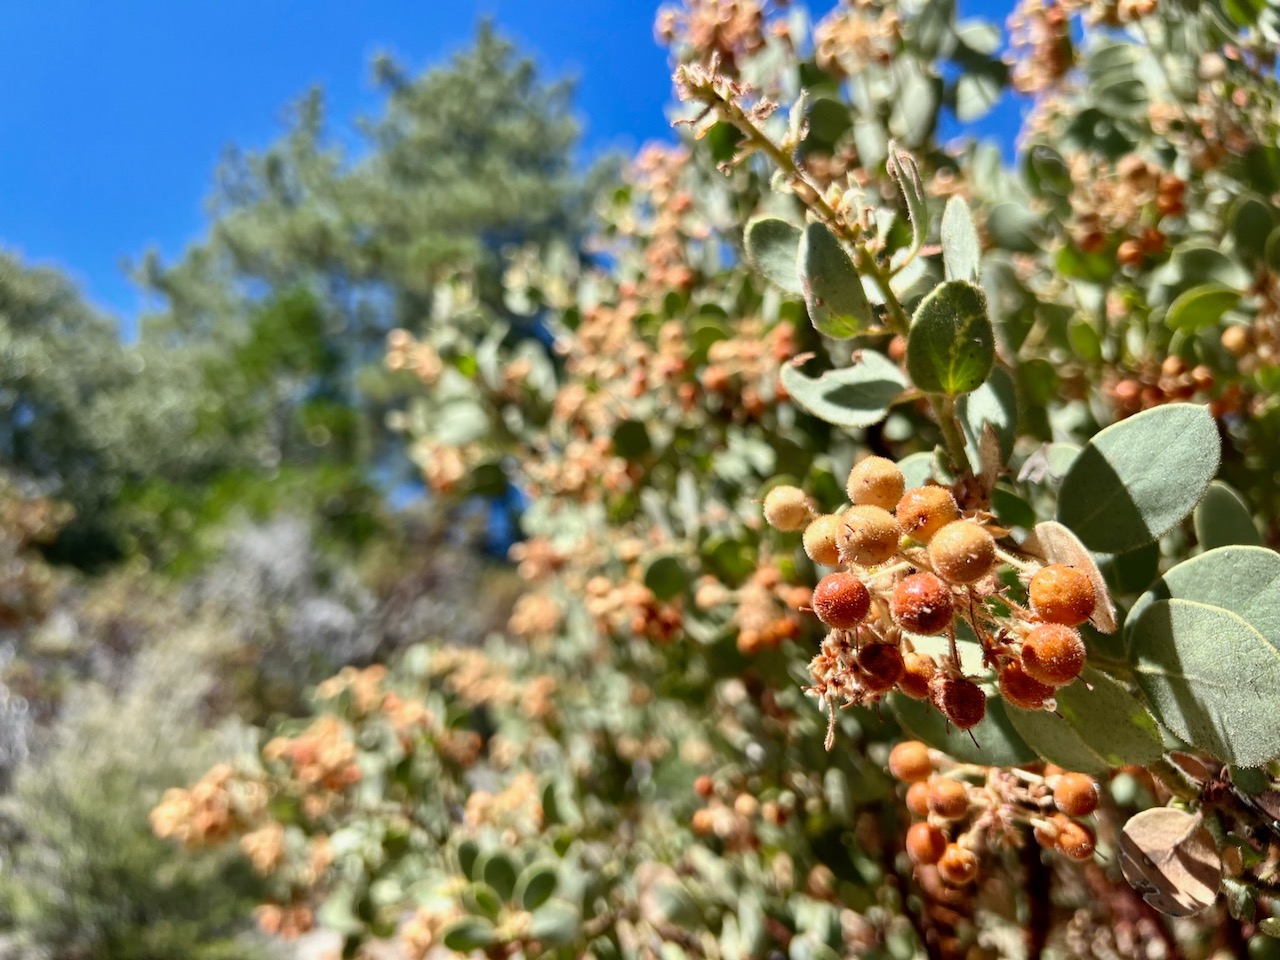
{"x":852,"y":397}
{"x":665,"y":576}
{"x":1169,"y":857}
{"x":469,"y":933}
{"x":1222,"y":519}
{"x":903,"y":168}
{"x":1137,"y":479}
{"x":772,"y":245}
{"x":555,"y":924}
{"x":837,"y":304}
{"x":994,"y":741}
{"x":1200,"y":306}
{"x":536,"y":885}
{"x":961,"y":252}
{"x":951,"y":346}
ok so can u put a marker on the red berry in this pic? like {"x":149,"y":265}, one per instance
{"x":918,"y":670}
{"x":925,"y":843}
{"x":879,"y":666}
{"x":841,"y":600}
{"x":1020,"y":689}
{"x":961,"y":701}
{"x":1075,"y":839}
{"x":921,"y":603}
{"x":1053,"y":654}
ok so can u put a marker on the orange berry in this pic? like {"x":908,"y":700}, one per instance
{"x":962,"y":552}
{"x":875,"y":481}
{"x":704,"y":786}
{"x":924,"y":511}
{"x":909,"y":761}
{"x":868,"y":536}
{"x":961,"y":701}
{"x":1062,"y":594}
{"x":1076,"y":795}
{"x":1047,"y":834}
{"x":958,"y":866}
{"x":918,"y":670}
{"x":918,"y":800}
{"x":1075,"y":840}
{"x":948,"y":798}
{"x":786,"y":508}
{"x":1237,"y":340}
{"x":925,"y":843}
{"x":921,"y":603}
{"x":1053,"y":654}
{"x":841,"y":600}
{"x":879,"y":666}
{"x":1020,"y":689}
{"x":820,"y":538}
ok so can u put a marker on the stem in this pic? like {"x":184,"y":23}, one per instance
{"x":1173,"y":779}
{"x":944,"y":409}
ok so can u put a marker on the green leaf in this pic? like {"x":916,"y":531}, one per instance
{"x":1222,"y":519}
{"x":469,"y":933}
{"x":536,"y":885}
{"x":851,"y":397}
{"x":499,"y":872}
{"x":772,"y":245}
{"x":1137,"y":479}
{"x":902,"y":167}
{"x":631,"y":440}
{"x":1252,"y":221}
{"x":1200,"y":306}
{"x":961,"y":251}
{"x":1014,"y":228}
{"x":1098,"y":725}
{"x":666,"y":577}
{"x":1204,"y":642}
{"x":977,"y":93}
{"x":998,"y":743}
{"x":555,"y":923}
{"x":951,"y":346}
{"x":994,"y":403}
{"x":482,"y":900}
{"x":833,"y":293}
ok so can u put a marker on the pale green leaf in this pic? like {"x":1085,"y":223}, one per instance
{"x":772,"y":245}
{"x":1222,"y":519}
{"x":852,"y":397}
{"x":961,"y":251}
{"x":833,"y":293}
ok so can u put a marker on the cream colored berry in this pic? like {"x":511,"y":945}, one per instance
{"x":868,"y":536}
{"x":962,"y":552}
{"x":786,"y":508}
{"x":876,"y":482}
{"x":924,"y":511}
{"x":821,"y":538}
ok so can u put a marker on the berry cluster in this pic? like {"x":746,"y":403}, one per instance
{"x":956,"y":819}
{"x":911,"y":566}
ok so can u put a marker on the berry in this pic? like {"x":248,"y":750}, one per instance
{"x":786,"y":508}
{"x":918,"y":800}
{"x":869,"y":536}
{"x":921,"y":603}
{"x":957,"y":865}
{"x":1053,"y":654}
{"x":924,"y":511}
{"x":925,"y":843}
{"x":1074,"y":839}
{"x":909,"y":761}
{"x":961,"y":701}
{"x":1076,"y":795}
{"x":917,"y":671}
{"x":877,"y":482}
{"x":948,"y":799}
{"x":820,"y":540}
{"x":1020,"y":689}
{"x":962,"y":552}
{"x":704,"y":786}
{"x":1062,"y":594}
{"x":879,"y":666}
{"x":1237,"y":340}
{"x":841,"y":600}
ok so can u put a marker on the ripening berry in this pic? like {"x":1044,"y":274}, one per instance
{"x":921,"y":603}
{"x":703,"y":821}
{"x":877,"y":482}
{"x":841,"y":600}
{"x":957,"y":865}
{"x":962,"y":552}
{"x":924,"y":511}
{"x":918,"y":670}
{"x":786,"y":508}
{"x":1053,"y":654}
{"x":704,"y":787}
{"x":879,"y":666}
{"x":1062,"y":594}
{"x":918,"y":800}
{"x":1075,"y":839}
{"x":925,"y":843}
{"x":961,"y":701}
{"x":1076,"y":795}
{"x":868,"y":536}
{"x":948,"y":799}
{"x":1237,"y":340}
{"x":909,"y":761}
{"x":820,"y":538}
{"x":1021,"y":690}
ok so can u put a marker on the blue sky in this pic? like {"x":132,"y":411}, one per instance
{"x":115,"y":114}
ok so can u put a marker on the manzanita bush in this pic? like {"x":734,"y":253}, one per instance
{"x":896,"y":540}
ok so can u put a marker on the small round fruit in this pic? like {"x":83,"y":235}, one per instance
{"x":786,"y":508}
{"x":841,"y":600}
{"x":918,"y":800}
{"x":924,"y":511}
{"x":1062,"y":594}
{"x":820,"y":538}
{"x":921,"y":603}
{"x":1053,"y":654}
{"x":925,"y":843}
{"x":868,"y":536}
{"x":909,"y":761}
{"x":877,"y":482}
{"x":1021,"y":690}
{"x":962,"y":702}
{"x":918,"y":670}
{"x":948,"y":799}
{"x":1075,"y":839}
{"x":1076,"y":794}
{"x":962,"y":552}
{"x":704,"y":786}
{"x":879,"y":666}
{"x":958,"y":866}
